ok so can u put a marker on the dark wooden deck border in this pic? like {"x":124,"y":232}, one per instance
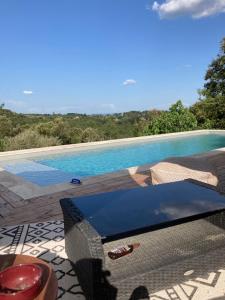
{"x":14,"y":210}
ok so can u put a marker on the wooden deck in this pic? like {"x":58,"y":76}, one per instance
{"x":14,"y":210}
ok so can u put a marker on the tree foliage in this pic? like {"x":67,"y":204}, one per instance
{"x":89,"y":135}
{"x":210,"y":109}
{"x":29,"y":139}
{"x":178,"y":118}
{"x":215,"y":75}
{"x":6,"y":126}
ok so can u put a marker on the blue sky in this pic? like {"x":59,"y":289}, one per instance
{"x":105,"y":56}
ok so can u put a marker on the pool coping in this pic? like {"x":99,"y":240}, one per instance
{"x":28,"y":190}
{"x":35,"y":152}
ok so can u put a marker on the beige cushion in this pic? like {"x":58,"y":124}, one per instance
{"x":208,"y":168}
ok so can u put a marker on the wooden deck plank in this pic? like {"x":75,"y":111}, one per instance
{"x":13,"y":199}
{"x":45,"y":208}
{"x":40,"y":214}
{"x":50,"y":205}
{"x":10,"y":198}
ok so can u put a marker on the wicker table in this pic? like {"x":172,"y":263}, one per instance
{"x":49,"y":287}
{"x":176,"y":224}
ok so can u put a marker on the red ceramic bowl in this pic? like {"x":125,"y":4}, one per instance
{"x":21,"y":282}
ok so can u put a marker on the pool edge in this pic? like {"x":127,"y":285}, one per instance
{"x":29,"y":153}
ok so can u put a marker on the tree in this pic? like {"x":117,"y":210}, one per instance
{"x":210,"y":109}
{"x":215,"y":75}
{"x":178,"y":118}
{"x":143,"y":121}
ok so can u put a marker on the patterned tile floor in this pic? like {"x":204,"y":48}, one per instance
{"x":46,"y":241}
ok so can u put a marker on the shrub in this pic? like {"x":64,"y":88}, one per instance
{"x":76,"y":135}
{"x":90,"y":135}
{"x":2,"y":145}
{"x":30,"y":139}
{"x":56,"y":128}
{"x":6,"y":126}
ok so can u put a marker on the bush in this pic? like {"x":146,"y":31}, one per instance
{"x":2,"y":145}
{"x":76,"y":135}
{"x":6,"y":126}
{"x":29,"y":139}
{"x":90,"y":135}
{"x":56,"y":128}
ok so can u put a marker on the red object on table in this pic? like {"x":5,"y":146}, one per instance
{"x":20,"y":282}
{"x":48,"y":286}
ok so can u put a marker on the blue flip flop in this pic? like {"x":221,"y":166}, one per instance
{"x":75,"y":181}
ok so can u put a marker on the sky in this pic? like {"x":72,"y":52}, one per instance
{"x":105,"y":56}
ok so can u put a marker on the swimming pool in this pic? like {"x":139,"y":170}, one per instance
{"x":111,"y":159}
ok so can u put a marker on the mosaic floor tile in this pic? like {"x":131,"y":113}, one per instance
{"x":46,"y":241}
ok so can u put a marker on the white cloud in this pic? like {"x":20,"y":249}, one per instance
{"x":129,"y":82}
{"x":28,"y":92}
{"x":195,"y":8}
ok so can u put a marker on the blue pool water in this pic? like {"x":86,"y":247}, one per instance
{"x":105,"y":160}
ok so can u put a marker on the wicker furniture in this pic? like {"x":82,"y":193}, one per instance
{"x":49,"y":286}
{"x":180,"y":226}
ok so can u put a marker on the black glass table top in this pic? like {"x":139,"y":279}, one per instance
{"x":124,"y":212}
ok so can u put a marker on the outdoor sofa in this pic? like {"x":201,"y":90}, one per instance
{"x":167,"y":254}
{"x":186,"y":243}
{"x":208,"y":168}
